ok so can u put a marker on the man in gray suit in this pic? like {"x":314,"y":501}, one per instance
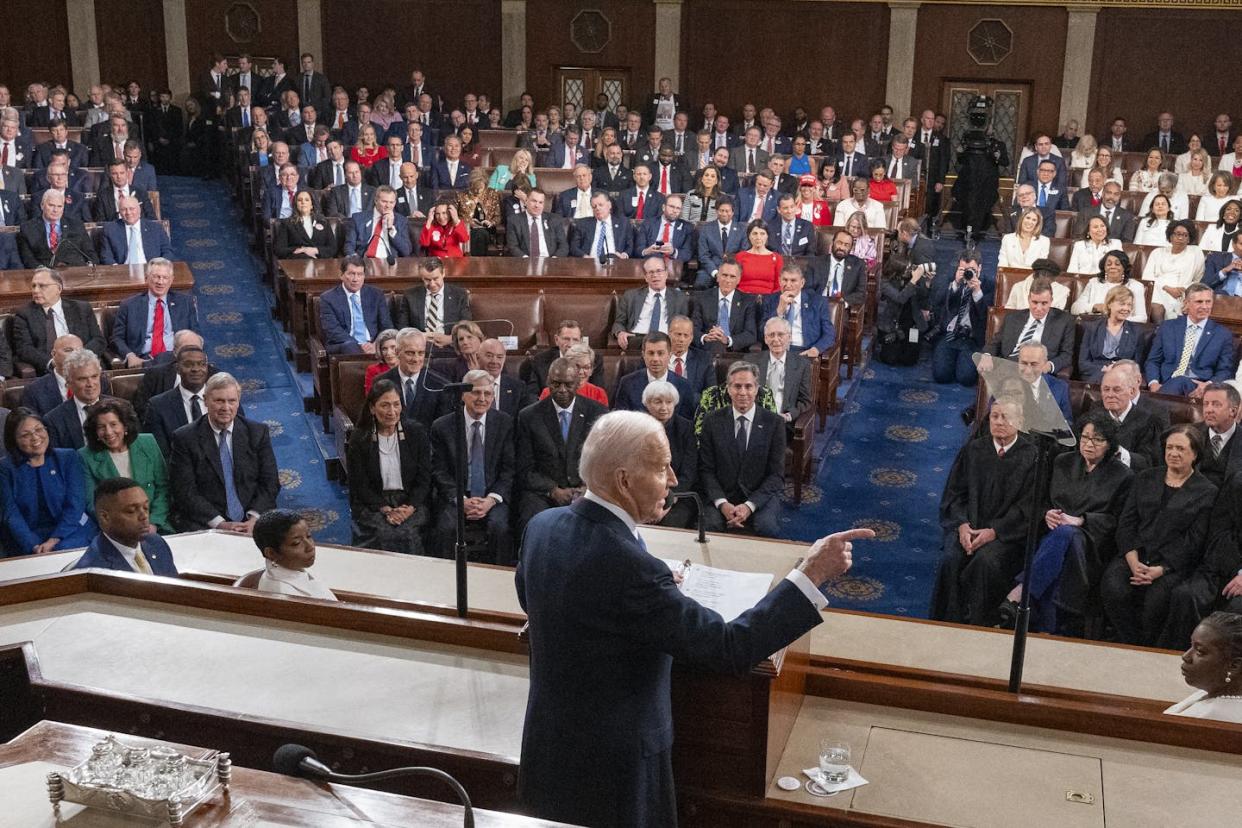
{"x":749,"y":158}
{"x":899,"y":163}
{"x":550,"y":237}
{"x":644,"y":310}
{"x":787,"y":375}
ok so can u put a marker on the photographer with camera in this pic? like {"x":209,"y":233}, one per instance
{"x":980,"y":158}
{"x":961,"y":312}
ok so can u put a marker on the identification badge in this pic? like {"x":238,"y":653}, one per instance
{"x":914,"y":336}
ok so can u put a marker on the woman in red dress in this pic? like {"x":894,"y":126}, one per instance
{"x":445,"y":236}
{"x":761,"y":268}
{"x":810,"y":207}
{"x":386,"y":351}
{"x":367,"y":151}
{"x":882,"y":187}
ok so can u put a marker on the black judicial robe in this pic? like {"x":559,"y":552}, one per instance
{"x":988,"y":491}
{"x":1168,"y":533}
{"x":1139,"y":434}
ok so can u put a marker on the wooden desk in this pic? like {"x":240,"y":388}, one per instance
{"x":255,"y":797}
{"x":107,"y":284}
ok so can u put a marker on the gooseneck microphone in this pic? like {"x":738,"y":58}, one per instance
{"x":698,"y":503}
{"x":298,"y":760}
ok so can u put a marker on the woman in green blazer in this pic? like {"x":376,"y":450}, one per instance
{"x":114,"y":448}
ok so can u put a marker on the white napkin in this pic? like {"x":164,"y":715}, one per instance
{"x":854,"y":780}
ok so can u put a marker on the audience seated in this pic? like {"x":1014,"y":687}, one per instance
{"x":42,"y":494}
{"x":65,"y":422}
{"x":842,"y":274}
{"x":1191,"y":351}
{"x":533,"y":233}
{"x":656,"y":350}
{"x":116,"y":189}
{"x":1223,"y":271}
{"x":48,"y":316}
{"x":641,"y":311}
{"x":416,"y":382}
{"x":304,"y":234}
{"x":288,"y":549}
{"x":115,"y":448}
{"x":724,"y":318}
{"x":143,"y":328}
{"x":1122,"y":223}
{"x":353,"y":313}
{"x":182,"y":403}
{"x":125,"y":542}
{"x":787,"y":375}
{"x":349,"y":198}
{"x":1220,"y":234}
{"x":807,"y":312}
{"x":131,"y":239}
{"x":54,"y":238}
{"x":1111,"y":337}
{"x":1040,"y":322}
{"x":665,"y":234}
{"x":1027,"y":243}
{"x":860,"y":199}
{"x":379,"y":233}
{"x":601,"y":235}
{"x":788,"y":232}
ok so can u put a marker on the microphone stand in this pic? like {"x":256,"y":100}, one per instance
{"x":1037,"y":498}
{"x":698,"y":503}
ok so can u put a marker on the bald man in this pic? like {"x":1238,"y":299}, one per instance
{"x":52,"y":238}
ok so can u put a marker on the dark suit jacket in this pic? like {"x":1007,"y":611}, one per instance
{"x":1091,"y":359}
{"x":439,"y":178}
{"x":746,"y":206}
{"x":1212,"y":360}
{"x":289,"y":235}
{"x":681,"y":236}
{"x":427,"y":402}
{"x":25,"y":156}
{"x":1177,"y":142}
{"x":366,"y":483}
{"x":698,"y":369}
{"x":934,"y":155}
{"x":380,"y":171}
{"x":758,"y":475}
{"x":336,"y":202}
{"x":105,"y":203}
{"x":1169,"y":532}
{"x":630,"y":388}
{"x":454,"y":307}
{"x":1058,"y":337}
{"x":43,"y":395}
{"x":556,"y":155}
{"x":534,"y":371}
{"x":858,"y":167}
{"x":196,"y":477}
{"x":499,"y":461}
{"x":626,"y":204}
{"x":129,"y":328}
{"x":74,"y":248}
{"x":796,"y":395}
{"x":275,"y":198}
{"x":11,"y":212}
{"x":79,"y":155}
{"x":1123,"y":226}
{"x":853,"y":285}
{"x":10,"y":259}
{"x":165,"y":413}
{"x":77,"y":207}
{"x":630,"y":307}
{"x":361,"y":226}
{"x":582,"y":236}
{"x":114,"y":246}
{"x":1212,"y":265}
{"x":743,"y":319}
{"x":103,"y":554}
{"x":1030,"y":166}
{"x":803,"y":237}
{"x":1220,"y":468}
{"x":602,"y":649}
{"x":544,"y":460}
{"x":602,"y":180}
{"x":41,"y":117}
{"x":64,"y":429}
{"x":517,"y":235}
{"x":334,"y":316}
{"x":817,"y":329}
{"x":323,"y":177}
{"x":425,"y":198}
{"x":513,"y":395}
{"x":711,"y":251}
{"x":30,"y":343}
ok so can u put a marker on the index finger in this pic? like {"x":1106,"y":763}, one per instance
{"x":852,"y":534}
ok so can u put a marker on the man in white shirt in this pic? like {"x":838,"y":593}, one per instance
{"x":64,"y":423}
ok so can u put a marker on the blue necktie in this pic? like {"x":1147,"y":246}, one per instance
{"x":355,"y":201}
{"x":656,"y":312}
{"x":245,"y":118}
{"x":564,"y":415}
{"x":410,"y":390}
{"x":233,"y":504}
{"x":602,"y":245}
{"x":722,"y":318}
{"x":478,"y":480}
{"x":359,"y":331}
{"x":1043,"y":196}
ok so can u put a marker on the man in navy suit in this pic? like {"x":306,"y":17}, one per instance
{"x":725,"y":319}
{"x":512,"y":395}
{"x":111,"y":192}
{"x":565,"y":153}
{"x":788,"y":233}
{"x":144,"y":325}
{"x":1028,"y":170}
{"x":51,"y":389}
{"x":418,"y":384}
{"x":665,"y":234}
{"x":805,"y":310}
{"x":141,"y":174}
{"x":413,"y":199}
{"x":728,"y":176}
{"x":353,"y":197}
{"x":695,"y":365}
{"x":849,"y":162}
{"x":117,"y":246}
{"x":612,"y":176}
{"x":1203,"y":345}
{"x":181,"y":405}
{"x":657,"y":347}
{"x":1222,"y":271}
{"x":125,"y":542}
{"x":640,"y":196}
{"x":84,"y":378}
{"x":1049,"y":195}
{"x":278,"y":202}
{"x":601,"y":648}
{"x":450,"y":172}
{"x":381,"y":233}
{"x":79,"y":155}
{"x":388,"y":170}
{"x":760,"y":193}
{"x":721,"y":238}
{"x":34,"y":238}
{"x":841,"y":273}
{"x":15,"y":150}
{"x":491,"y":468}
{"x":603,"y":234}
{"x":353,"y":313}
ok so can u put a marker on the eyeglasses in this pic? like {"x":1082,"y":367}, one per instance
{"x":1094,"y":439}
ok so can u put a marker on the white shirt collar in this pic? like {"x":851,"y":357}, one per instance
{"x":1006,"y":447}
{"x":1224,"y":435}
{"x":620,"y":513}
{"x":749,"y":415}
{"x":569,"y":408}
{"x":129,"y":553}
{"x":186,"y":394}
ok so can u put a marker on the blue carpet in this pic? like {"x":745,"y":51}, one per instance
{"x":234,"y":308}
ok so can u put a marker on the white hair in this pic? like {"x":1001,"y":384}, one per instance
{"x":615,"y":442}
{"x":661,"y":390}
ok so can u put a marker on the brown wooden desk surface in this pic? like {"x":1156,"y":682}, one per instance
{"x":107,"y":283}
{"x":257,"y":797}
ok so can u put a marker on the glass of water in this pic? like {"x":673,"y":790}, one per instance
{"x":834,"y":762}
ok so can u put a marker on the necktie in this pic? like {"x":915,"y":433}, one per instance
{"x":306,"y":83}
{"x":776,"y":381}
{"x":233,"y":506}
{"x":1188,"y":350}
{"x":53,"y":236}
{"x":535,"y":249}
{"x":340,"y":120}
{"x":196,"y":407}
{"x":157,"y":329}
{"x":1217,"y":443}
{"x":655,"y":315}
{"x":663,"y":179}
{"x":787,"y":240}
{"x":679,"y":367}
{"x":750,"y":160}
{"x":722,"y":316}
{"x":4,"y":155}
{"x":50,"y":328}
{"x":1028,"y":333}
{"x":664,"y":234}
{"x":433,"y":314}
{"x":601,"y":246}
{"x":373,"y":246}
{"x":564,"y":415}
{"x":136,"y":254}
{"x":1220,"y":139}
{"x":338,"y":176}
{"x":849,"y":165}
{"x":681,"y":151}
{"x":1164,"y":142}
{"x":1043,"y":195}
{"x":1108,"y":218}
{"x":120,"y":194}
{"x":359,"y":327}
{"x":642,"y":202}
{"x":835,"y":286}
{"x":478,"y":481}
{"x":741,"y":434}
{"x":724,"y":238}
{"x":355,"y":200}
{"x":245,"y":118}
{"x":140,"y":562}
{"x":892,"y":168}
{"x":1000,"y":452}
{"x":410,"y":389}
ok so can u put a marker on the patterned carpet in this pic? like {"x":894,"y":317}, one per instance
{"x":883,"y":460}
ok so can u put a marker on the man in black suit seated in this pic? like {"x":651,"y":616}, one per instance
{"x":1122,"y":223}
{"x":354,"y":196}
{"x":841,"y":273}
{"x":52,"y":238}
{"x":550,"y":435}
{"x":1090,"y":196}
{"x":111,"y":192}
{"x":182,"y":404}
{"x":983,"y":514}
{"x":534,"y":371}
{"x":511,"y":393}
{"x":1222,"y":454}
{"x":742,"y":460}
{"x":84,"y":378}
{"x":433,"y":307}
{"x":490,"y":469}
{"x":645,"y":310}
{"x":1039,"y":323}
{"x":413,"y":199}
{"x":418,"y":384}
{"x":164,"y":376}
{"x":1138,"y":429}
{"x":51,"y":389}
{"x":1164,"y":138}
{"x":695,"y":365}
{"x":612,"y":177}
{"x":58,"y":178}
{"x":330,"y":172}
{"x":222,"y":472}
{"x":38,"y":323}
{"x":547,"y":232}
{"x":725,"y":319}
{"x":77,"y":154}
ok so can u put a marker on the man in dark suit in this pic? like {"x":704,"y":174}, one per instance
{"x":603,"y":235}
{"x":413,"y":199}
{"x":849,"y":162}
{"x":490,"y":468}
{"x":1222,"y":271}
{"x":641,"y":311}
{"x":1049,"y":195}
{"x":1170,"y":369}
{"x":15,"y":149}
{"x":388,"y":170}
{"x":512,"y":394}
{"x":144,"y":325}
{"x":83,"y":378}
{"x":352,"y":314}
{"x":313,"y":87}
{"x":788,"y":233}
{"x":57,"y":178}
{"x":379,"y":233}
{"x":919,"y":249}
{"x":841,"y":273}
{"x":222,"y":472}
{"x":932,"y":148}
{"x":1222,"y":446}
{"x":117,"y":246}
{"x":305,"y":130}
{"x":1122,"y":223}
{"x":1028,"y":170}
{"x":433,"y":307}
{"x":665,"y":234}
{"x":565,"y":153}
{"x":640,"y":201}
{"x":1138,"y":429}
{"x":1117,"y":139}
{"x":664,"y":104}
{"x":353,"y":197}
{"x":124,"y":543}
{"x":550,"y":436}
{"x":656,"y":350}
{"x":749,"y":158}
{"x":53,"y":238}
{"x":52,"y":114}
{"x":667,"y":176}
{"x":78,"y":154}
{"x":10,"y":258}
{"x":50,"y":390}
{"x":806,"y":311}
{"x":110,"y":145}
{"x":786,"y":375}
{"x":213,"y":83}
{"x":648,"y":152}
{"x":114,"y":190}
{"x":331,"y":171}
{"x":167,"y":126}
{"x":899,"y":163}
{"x":612,"y":176}
{"x":418,"y":384}
{"x":722,"y":238}
{"x":279,"y":202}
{"x":696,"y":365}
{"x":547,"y":231}
{"x":728,"y":176}
{"x":181,"y":404}
{"x":450,"y":172}
{"x":1164,"y":137}
{"x":750,"y":199}
{"x":534,"y":371}
{"x":742,"y":460}
{"x":725,"y":319}
{"x":1090,"y":196}
{"x":1041,"y":322}
{"x":11,"y":213}
{"x":48,"y":316}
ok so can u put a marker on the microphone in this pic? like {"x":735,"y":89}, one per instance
{"x":698,"y":503}
{"x":297,"y":760}
{"x":68,"y":241}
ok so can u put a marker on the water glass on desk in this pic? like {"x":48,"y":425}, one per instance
{"x":834,"y":762}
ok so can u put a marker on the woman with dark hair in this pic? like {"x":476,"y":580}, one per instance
{"x":904,"y":292}
{"x":1175,"y":267}
{"x":1213,"y":666}
{"x":1085,"y":498}
{"x":42,"y":496}
{"x":470,"y":154}
{"x":1220,"y":234}
{"x":700,"y":203}
{"x":305,"y":234}
{"x":1219,"y":189}
{"x":389,"y":467}
{"x":288,"y":548}
{"x":1147,"y":179}
{"x":1113,"y":269}
{"x":761,"y":268}
{"x":1089,"y":251}
{"x":115,"y":448}
{"x":1160,"y":538}
{"x":1153,"y":226}
{"x":445,"y":235}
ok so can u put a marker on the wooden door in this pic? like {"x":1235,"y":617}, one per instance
{"x":1011,"y":104}
{"x":580,"y":86}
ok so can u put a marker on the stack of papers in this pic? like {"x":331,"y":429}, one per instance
{"x":725,"y":591}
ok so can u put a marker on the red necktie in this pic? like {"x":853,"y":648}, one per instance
{"x":1000,"y":452}
{"x":291,"y":207}
{"x":677,"y":369}
{"x":373,"y":247}
{"x":53,"y":239}
{"x":642,"y":201}
{"x":157,"y":329}
{"x":668,"y":228}
{"x":4,"y":155}
{"x":663,"y":179}
{"x":340,"y":120}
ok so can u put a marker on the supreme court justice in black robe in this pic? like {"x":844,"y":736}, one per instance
{"x":1203,"y":591}
{"x":986,"y":493}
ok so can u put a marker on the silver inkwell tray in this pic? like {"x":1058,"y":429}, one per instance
{"x":154,"y":783}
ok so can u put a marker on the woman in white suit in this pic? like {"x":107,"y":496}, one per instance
{"x":1027,"y":243}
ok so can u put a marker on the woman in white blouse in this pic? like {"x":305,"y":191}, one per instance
{"x":1104,"y":163}
{"x":284,"y":538}
{"x":1114,"y":271}
{"x":1152,"y":227}
{"x":1213,"y":666}
{"x":1175,"y":267}
{"x":1090,"y":249}
{"x":1027,"y":243}
{"x":1179,"y":204}
{"x":1195,"y":180}
{"x":1146,"y":179}
{"x":1219,"y":236}
{"x":1083,"y":155}
{"x":1219,"y":189}
{"x":1182,"y":162}
{"x":1231,"y":162}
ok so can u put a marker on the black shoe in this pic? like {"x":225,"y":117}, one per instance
{"x":1008,"y":611}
